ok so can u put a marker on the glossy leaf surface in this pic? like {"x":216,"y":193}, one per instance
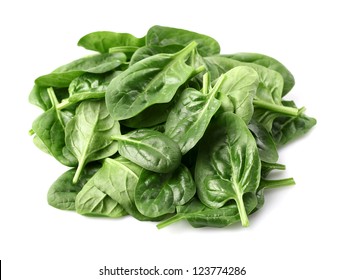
{"x":150,"y":149}
{"x":228,"y":165}
{"x":149,"y":81}
{"x":158,"y":194}
{"x":163,"y":36}
{"x":88,"y":134}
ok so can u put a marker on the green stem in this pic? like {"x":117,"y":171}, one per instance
{"x":205,"y":83}
{"x":242,"y":212}
{"x":289,"y":111}
{"x":78,"y":171}
{"x":186,"y":50}
{"x":277,"y":166}
{"x":171,"y":220}
{"x":272,"y":184}
{"x":127,"y":49}
{"x":55,"y":104}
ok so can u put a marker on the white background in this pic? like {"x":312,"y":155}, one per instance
{"x":297,"y":235}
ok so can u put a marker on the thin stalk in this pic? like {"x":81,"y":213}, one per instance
{"x":289,"y":111}
{"x":55,"y":103}
{"x":273,"y":184}
{"x":242,"y":212}
{"x":171,"y":220}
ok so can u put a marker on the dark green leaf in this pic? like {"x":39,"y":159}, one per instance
{"x":228,"y":165}
{"x":62,"y":192}
{"x":88,"y":134}
{"x":152,"y":80}
{"x":163,"y":36}
{"x":150,"y":149}
{"x":158,"y":194}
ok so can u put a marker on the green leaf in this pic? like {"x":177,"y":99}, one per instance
{"x":228,"y":165}
{"x":270,"y":63}
{"x":50,"y":129}
{"x":102,"y":41}
{"x":88,"y":134}
{"x":96,"y":197}
{"x":158,"y":194}
{"x":199,"y":215}
{"x":62,"y":193}
{"x":64,"y":75}
{"x":150,"y":149}
{"x":191,"y":115}
{"x":287,"y":129}
{"x":164,"y":36}
{"x":149,"y":81}
{"x":239,"y":87}
{"x":265,"y":143}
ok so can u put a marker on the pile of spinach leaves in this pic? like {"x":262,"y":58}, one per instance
{"x":166,"y":128}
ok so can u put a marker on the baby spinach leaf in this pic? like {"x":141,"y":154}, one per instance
{"x":163,"y":36}
{"x":63,"y":191}
{"x":50,"y":130}
{"x":239,"y":87}
{"x":286,"y":129}
{"x":64,"y":75}
{"x":150,"y":149}
{"x":199,"y":215}
{"x":267,"y":100}
{"x":123,"y":177}
{"x":88,"y":134}
{"x":270,"y":63}
{"x":190,"y":116}
{"x":102,"y":41}
{"x":96,"y":197}
{"x":148,"y":51}
{"x":265,"y":143}
{"x":228,"y":165}
{"x":158,"y":194}
{"x":149,"y":81}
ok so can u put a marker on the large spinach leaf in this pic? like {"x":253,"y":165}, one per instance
{"x":149,"y":81}
{"x":228,"y":164}
{"x":88,"y":134}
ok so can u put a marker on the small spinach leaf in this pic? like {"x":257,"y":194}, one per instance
{"x":163,"y":36}
{"x":190,"y":116}
{"x":239,"y":87}
{"x":63,"y":191}
{"x":265,"y":143}
{"x":102,"y":41}
{"x":158,"y":194}
{"x":270,"y":63}
{"x":64,"y":75}
{"x":96,"y":197}
{"x":150,"y":149}
{"x":88,"y":134}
